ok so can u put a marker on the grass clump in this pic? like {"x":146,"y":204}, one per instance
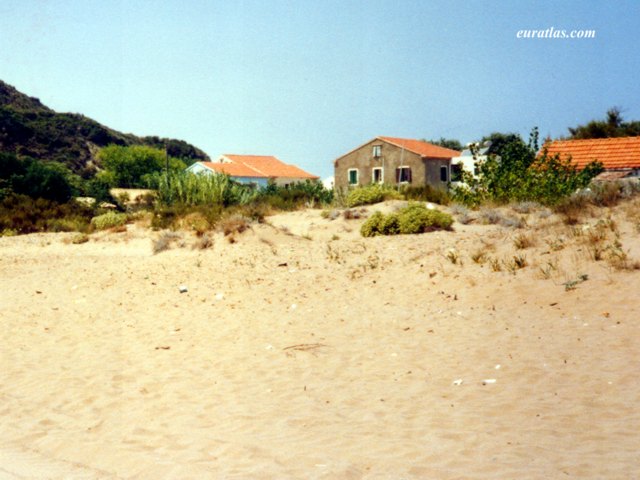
{"x":233,"y":225}
{"x":415,"y":218}
{"x":109,"y":220}
{"x":164,"y":241}
{"x":523,"y":241}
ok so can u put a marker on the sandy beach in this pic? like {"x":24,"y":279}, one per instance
{"x":303,"y":350}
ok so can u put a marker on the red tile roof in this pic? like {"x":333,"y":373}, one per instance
{"x":233,"y":169}
{"x":257,"y":166}
{"x":615,"y":153}
{"x":424,"y":149}
{"x":270,"y":166}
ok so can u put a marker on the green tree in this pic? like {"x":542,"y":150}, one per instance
{"x":521,"y":173}
{"x":451,"y":143}
{"x":129,"y":167}
{"x":34,"y":178}
{"x":612,"y":126}
{"x":499,"y":141}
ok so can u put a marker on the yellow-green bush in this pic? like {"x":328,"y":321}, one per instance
{"x":370,"y":194}
{"x":415,"y":218}
{"x":108,"y":220}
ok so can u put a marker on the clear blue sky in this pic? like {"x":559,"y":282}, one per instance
{"x":309,"y":80}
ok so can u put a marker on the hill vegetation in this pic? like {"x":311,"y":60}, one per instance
{"x":30,"y":129}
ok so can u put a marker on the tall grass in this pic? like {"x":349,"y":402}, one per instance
{"x":189,"y":189}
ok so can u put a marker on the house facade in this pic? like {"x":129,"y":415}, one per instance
{"x":394,"y":161}
{"x":257,"y":170}
{"x":468,"y":161}
{"x":620,"y":156}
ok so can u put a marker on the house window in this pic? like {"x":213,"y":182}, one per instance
{"x":353,"y":176}
{"x":377,"y":175}
{"x":377,"y":151}
{"x":444,"y":173}
{"x":456,"y":172}
{"x":403,"y":175}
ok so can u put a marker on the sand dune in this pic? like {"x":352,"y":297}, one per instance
{"x":310,"y":352}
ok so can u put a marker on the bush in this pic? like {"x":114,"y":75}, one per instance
{"x":177,"y":217}
{"x":298,"y":195}
{"x":370,"y":194}
{"x":109,"y":220}
{"x":372,"y":226}
{"x":415,"y":218}
{"x":426,"y":193}
{"x":23,"y":214}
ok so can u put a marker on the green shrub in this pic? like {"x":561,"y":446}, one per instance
{"x":24,"y":214}
{"x":109,"y":220}
{"x":390,"y":224}
{"x":426,"y":193}
{"x":415,"y":218}
{"x":522,"y":174}
{"x":370,"y":194}
{"x":298,"y":195}
{"x":372,"y":226}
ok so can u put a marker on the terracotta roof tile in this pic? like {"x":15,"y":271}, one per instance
{"x":257,"y":166}
{"x":424,"y":149}
{"x":270,"y":166}
{"x":614,"y":153}
{"x":234,"y":169}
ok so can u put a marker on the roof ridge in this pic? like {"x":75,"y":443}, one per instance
{"x":635,"y":137}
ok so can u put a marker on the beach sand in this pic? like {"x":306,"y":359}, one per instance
{"x":303,"y":350}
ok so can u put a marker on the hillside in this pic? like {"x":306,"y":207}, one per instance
{"x":29,"y":128}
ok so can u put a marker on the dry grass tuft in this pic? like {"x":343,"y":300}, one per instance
{"x":204,"y":242}
{"x":523,"y":241}
{"x":479,"y":256}
{"x":235,"y":224}
{"x":165,"y":241}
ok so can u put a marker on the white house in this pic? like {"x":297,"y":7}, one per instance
{"x":468,"y":163}
{"x":255,"y":170}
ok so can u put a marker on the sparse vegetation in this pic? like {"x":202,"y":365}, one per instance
{"x":523,"y":241}
{"x":479,"y":256}
{"x":165,"y":241}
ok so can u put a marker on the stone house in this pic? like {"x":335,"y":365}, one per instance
{"x":394,"y":161}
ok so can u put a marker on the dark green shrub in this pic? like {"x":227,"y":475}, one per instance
{"x":426,"y":193}
{"x":34,"y":178}
{"x":390,"y":225}
{"x":24,"y":214}
{"x":295,"y":196}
